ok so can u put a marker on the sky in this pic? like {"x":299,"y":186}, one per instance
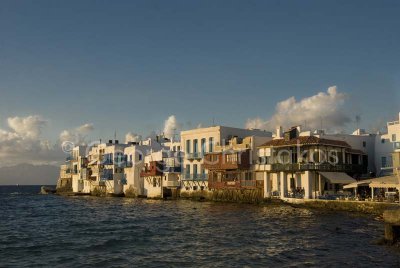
{"x":75,"y":70}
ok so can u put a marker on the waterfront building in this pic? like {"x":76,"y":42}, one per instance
{"x":78,"y":164}
{"x":134,"y":156}
{"x":64,"y":182}
{"x":231,"y":166}
{"x":196,"y":143}
{"x":161,"y":173}
{"x":106,"y":161}
{"x":389,"y":145}
{"x":307,"y":166}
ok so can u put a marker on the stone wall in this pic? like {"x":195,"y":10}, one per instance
{"x":376,"y":208}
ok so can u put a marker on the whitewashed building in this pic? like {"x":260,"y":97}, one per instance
{"x":106,"y":161}
{"x":161,"y":173}
{"x":78,"y":164}
{"x":135,"y":155}
{"x":307,"y":166}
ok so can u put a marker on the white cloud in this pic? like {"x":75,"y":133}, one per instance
{"x":22,"y":143}
{"x":28,"y":127}
{"x":171,"y":127}
{"x":325,"y":106}
{"x":132,"y":137}
{"x":77,"y":135}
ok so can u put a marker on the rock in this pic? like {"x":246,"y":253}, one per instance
{"x":392,"y":225}
{"x":47,"y":190}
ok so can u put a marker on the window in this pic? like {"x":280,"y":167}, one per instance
{"x":195,"y":169}
{"x":188,"y":146}
{"x":364,"y":144}
{"x":211,"y":144}
{"x":187,"y":169}
{"x":383,"y":141}
{"x":393,"y":137}
{"x":203,"y":145}
{"x":195,"y":145}
{"x":179,"y":148}
{"x":384,"y":161}
{"x":292,"y":183}
{"x":231,"y":158}
{"x":140,"y":157}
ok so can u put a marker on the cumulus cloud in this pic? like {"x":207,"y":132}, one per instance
{"x":77,"y":135}
{"x":22,"y":142}
{"x":325,"y":106}
{"x":132,"y":137}
{"x":29,"y":127}
{"x":171,"y":127}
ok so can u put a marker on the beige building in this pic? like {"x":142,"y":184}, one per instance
{"x":196,"y":143}
{"x":232,"y":164}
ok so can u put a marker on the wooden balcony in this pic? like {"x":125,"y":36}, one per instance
{"x":227,"y":161}
{"x":154,"y":168}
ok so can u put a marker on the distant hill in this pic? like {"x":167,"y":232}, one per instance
{"x":27,"y":174}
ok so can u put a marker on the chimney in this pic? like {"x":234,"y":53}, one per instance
{"x":279,"y":132}
{"x":110,"y":141}
{"x":116,"y":141}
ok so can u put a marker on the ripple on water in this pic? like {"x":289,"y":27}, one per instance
{"x":79,"y":231}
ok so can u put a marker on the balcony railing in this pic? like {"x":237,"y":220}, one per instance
{"x":106,"y":177}
{"x":172,"y":169}
{"x":194,"y":177}
{"x":192,"y":156}
{"x":317,"y":167}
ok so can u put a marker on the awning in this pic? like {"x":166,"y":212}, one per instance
{"x":385,"y":182}
{"x":338,"y":177}
{"x":356,"y":184}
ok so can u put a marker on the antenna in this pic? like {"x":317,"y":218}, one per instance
{"x":358,"y":119}
{"x":115,"y":135}
{"x":321,"y":122}
{"x":173,"y":135}
{"x":213,"y":124}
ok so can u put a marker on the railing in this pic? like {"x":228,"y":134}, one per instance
{"x":393,"y":123}
{"x":193,"y":177}
{"x":106,"y":177}
{"x":317,"y":167}
{"x":172,"y":169}
{"x":191,"y":156}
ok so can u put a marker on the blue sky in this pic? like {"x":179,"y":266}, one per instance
{"x":128,"y":65}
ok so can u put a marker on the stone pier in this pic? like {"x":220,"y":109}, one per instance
{"x":392,"y":225}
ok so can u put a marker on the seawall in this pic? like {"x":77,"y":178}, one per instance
{"x":376,"y":208}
